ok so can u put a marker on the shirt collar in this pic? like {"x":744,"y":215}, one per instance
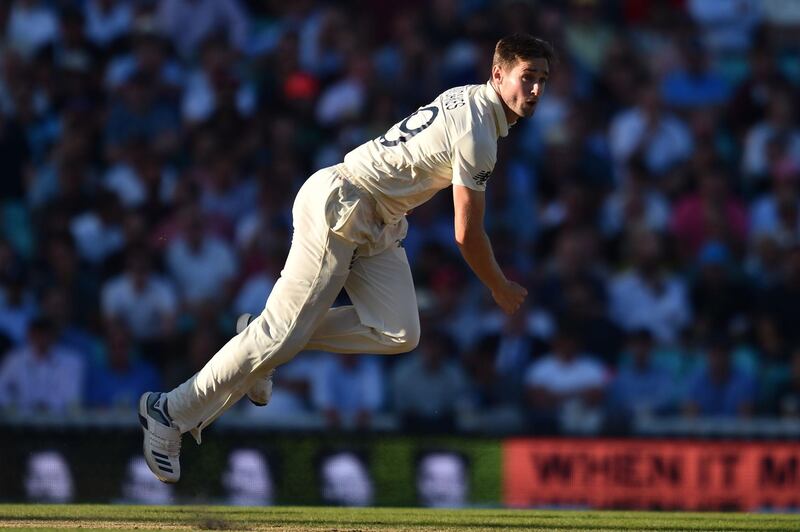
{"x":499,"y":111}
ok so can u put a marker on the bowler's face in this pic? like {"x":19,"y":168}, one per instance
{"x":521,"y":85}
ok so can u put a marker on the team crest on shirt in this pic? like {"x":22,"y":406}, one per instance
{"x":454,"y":98}
{"x":482,"y":177}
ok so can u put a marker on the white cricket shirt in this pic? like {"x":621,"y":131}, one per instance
{"x":452,"y":140}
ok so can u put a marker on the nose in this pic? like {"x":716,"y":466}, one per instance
{"x":536,"y":89}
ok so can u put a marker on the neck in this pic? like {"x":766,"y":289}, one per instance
{"x":511,"y":116}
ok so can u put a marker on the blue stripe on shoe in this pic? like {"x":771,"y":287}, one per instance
{"x":143,"y":421}
{"x":160,"y":455}
{"x":162,"y":461}
{"x":167,"y":469}
{"x":154,"y":409}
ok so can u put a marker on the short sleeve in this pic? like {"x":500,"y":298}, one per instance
{"x":473,"y":161}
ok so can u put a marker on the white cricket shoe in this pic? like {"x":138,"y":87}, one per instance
{"x":162,"y":439}
{"x":261,"y":392}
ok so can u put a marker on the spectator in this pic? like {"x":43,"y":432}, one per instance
{"x":640,"y":388}
{"x":41,"y":376}
{"x":225,"y":193}
{"x":98,"y":233}
{"x":148,"y":56}
{"x":197,"y":346}
{"x":764,"y":266}
{"x":323,"y":39}
{"x":718,"y":293}
{"x":719,"y":389}
{"x":565,"y":387}
{"x":15,"y":155}
{"x":122,"y":379}
{"x":712,"y":212}
{"x":202,"y":265}
{"x":260,"y":234}
{"x":61,"y":269}
{"x":17,"y":307}
{"x":782,"y":21}
{"x":141,"y":113}
{"x":515,"y":346}
{"x":56,"y":304}
{"x":428,"y":387}
{"x":573,"y":260}
{"x":491,"y":399}
{"x":636,"y":205}
{"x":32,"y":24}
{"x":600,"y":335}
{"x":141,"y":299}
{"x":587,"y":36}
{"x":777,"y":137}
{"x":75,"y":54}
{"x":348,"y":390}
{"x":215,"y":74}
{"x":207,"y":16}
{"x":750,"y":101}
{"x":107,"y":20}
{"x":777,"y":213}
{"x":64,"y":180}
{"x":620,"y":77}
{"x":139,"y":178}
{"x":649,"y":296}
{"x":727,"y":26}
{"x":786,"y":398}
{"x":779,"y":301}
{"x":695,"y":85}
{"x":649,"y":131}
{"x":345,"y":100}
{"x":773,"y":364}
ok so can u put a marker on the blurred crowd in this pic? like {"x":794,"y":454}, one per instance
{"x":151,"y":150}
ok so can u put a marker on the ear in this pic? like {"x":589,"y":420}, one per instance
{"x":497,"y":74}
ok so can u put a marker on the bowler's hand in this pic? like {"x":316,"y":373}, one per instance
{"x":509,"y":296}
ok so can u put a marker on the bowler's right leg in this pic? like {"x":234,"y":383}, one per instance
{"x":315,"y":272}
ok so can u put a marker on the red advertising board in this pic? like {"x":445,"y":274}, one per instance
{"x":666,"y":474}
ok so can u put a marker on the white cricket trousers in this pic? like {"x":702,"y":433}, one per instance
{"x":338,"y":242}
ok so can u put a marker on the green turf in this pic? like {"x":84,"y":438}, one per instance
{"x":107,"y":517}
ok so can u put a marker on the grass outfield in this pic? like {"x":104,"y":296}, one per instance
{"x":108,"y":517}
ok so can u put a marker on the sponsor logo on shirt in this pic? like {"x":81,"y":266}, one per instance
{"x":482,"y":177}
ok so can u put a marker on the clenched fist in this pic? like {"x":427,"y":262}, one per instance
{"x":509,"y":296}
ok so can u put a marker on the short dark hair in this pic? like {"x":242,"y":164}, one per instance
{"x":522,"y":46}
